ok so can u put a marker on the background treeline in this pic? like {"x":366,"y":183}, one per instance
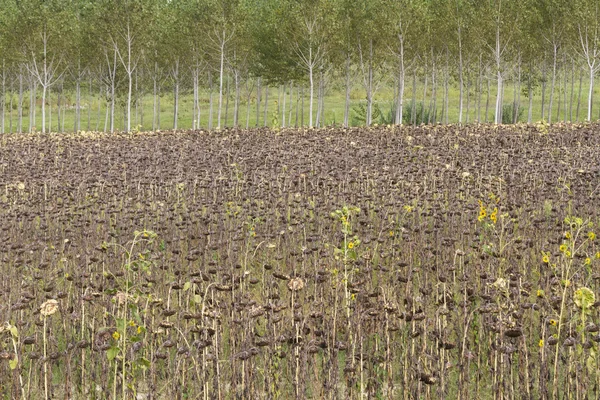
{"x":107,"y":65}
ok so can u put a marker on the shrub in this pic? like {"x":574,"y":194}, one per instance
{"x":508,"y":113}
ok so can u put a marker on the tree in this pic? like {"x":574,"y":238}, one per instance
{"x":588,"y":29}
{"x":221,"y":31}
{"x":502,"y":20}
{"x":405,"y":17}
{"x":45,"y":41}
{"x":127,"y":24}
{"x":455,"y":22}
{"x":305,"y":25}
{"x":553,"y":24}
{"x":371,"y":47}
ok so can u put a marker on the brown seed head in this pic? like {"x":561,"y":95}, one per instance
{"x":296,"y":284}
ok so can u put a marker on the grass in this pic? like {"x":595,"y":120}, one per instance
{"x":333,"y":104}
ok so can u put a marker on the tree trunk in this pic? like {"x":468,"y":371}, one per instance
{"x":530,"y":96}
{"x":479,"y":90}
{"x":137,"y":102}
{"x":20,"y":102}
{"x":319,"y":97}
{"x":297,"y":105}
{"x":265,"y":123}
{"x":10,"y":107}
{"x":559,"y":100}
{"x":32,"y":98}
{"x":572,"y":96}
{"x":302,"y":107}
{"x":413,"y":111}
{"x":468,"y":110}
{"x":248,"y":99}
{"x":460,"y":77}
{"x":3,"y":98}
{"x":291,"y":107}
{"x":140,"y":101}
{"x":498,"y":54}
{"x":198,"y":109}
{"x":49,"y":110}
{"x":113,"y":73}
{"x":446,"y":90}
{"x":226,"y":103}
{"x":579,"y":94}
{"x":129,"y":96}
{"x":89,"y":105}
{"x":236,"y":103}
{"x":517,"y":102}
{"x":155,"y":110}
{"x":221,"y":81}
{"x":158,"y":106}
{"x":322,"y":99}
{"x":591,"y":93}
{"x":44,"y":91}
{"x":553,"y":82}
{"x":311,"y":66}
{"x":401,"y":73}
{"x":487,"y":99}
{"x":278,"y":105}
{"x":64,"y":106}
{"x":77,"y":124}
{"x":433,"y":103}
{"x":58,"y":109}
{"x":283,"y":110}
{"x":175,"y":93}
{"x":195,"y":99}
{"x":258,"y":94}
{"x":544,"y":88}
{"x":370,"y":86}
{"x":210,"y":103}
{"x":348,"y":88}
{"x":107,"y":116}
{"x":100,"y":97}
{"x":498,"y":115}
{"x":565,"y":86}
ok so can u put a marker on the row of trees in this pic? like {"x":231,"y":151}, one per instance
{"x":128,"y":49}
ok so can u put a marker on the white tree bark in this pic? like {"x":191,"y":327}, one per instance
{"x":130,"y":65}
{"x":460,"y":75}
{"x":553,"y":82}
{"x":348,"y":89}
{"x":20,"y":102}
{"x":590,"y":45}
{"x":45,"y":75}
{"x":283,"y":110}
{"x":3,"y":98}
{"x":258,"y":94}
{"x":310,"y":57}
{"x":221,"y":38}
{"x":401,"y":74}
{"x":236,"y":102}
{"x":175,"y":75}
{"x":112,"y":80}
{"x":498,"y":57}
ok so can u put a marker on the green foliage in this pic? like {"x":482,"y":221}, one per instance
{"x":422,"y":115}
{"x":387,"y":116}
{"x":508,"y":113}
{"x":359,"y":114}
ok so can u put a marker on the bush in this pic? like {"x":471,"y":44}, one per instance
{"x":359,"y":114}
{"x":508,"y":111}
{"x":422,"y":114}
